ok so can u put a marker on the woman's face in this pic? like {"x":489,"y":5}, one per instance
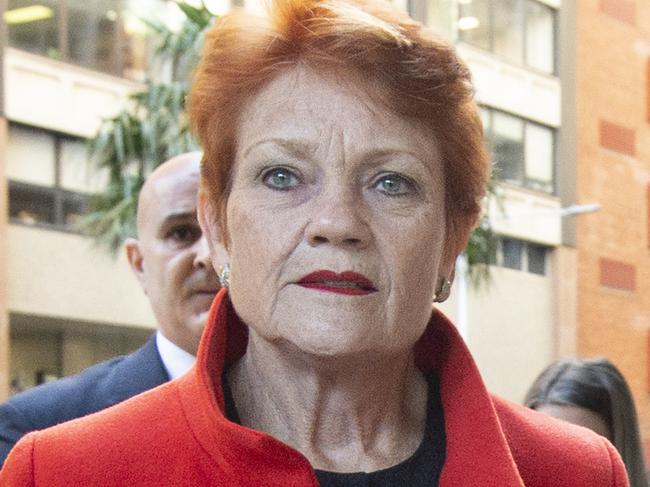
{"x":336,"y":218}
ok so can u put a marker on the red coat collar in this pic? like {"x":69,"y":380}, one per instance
{"x":477,"y":450}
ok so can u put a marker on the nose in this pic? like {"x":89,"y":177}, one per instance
{"x":338,"y":219}
{"x":202,"y":253}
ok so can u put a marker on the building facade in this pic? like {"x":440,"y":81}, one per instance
{"x":612,"y":147}
{"x":68,"y":63}
{"x":65,"y":304}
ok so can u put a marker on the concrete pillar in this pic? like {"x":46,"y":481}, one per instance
{"x":4,"y":209}
{"x":565,"y":286}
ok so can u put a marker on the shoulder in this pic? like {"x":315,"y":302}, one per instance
{"x":70,"y":396}
{"x":552,"y":452}
{"x":95,"y":388}
{"x":137,"y":442}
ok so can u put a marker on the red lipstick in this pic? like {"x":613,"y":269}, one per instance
{"x":350,"y":283}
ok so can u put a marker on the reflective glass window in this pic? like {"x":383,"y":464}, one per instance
{"x":31,"y":205}
{"x":512,"y":253}
{"x":536,"y":256}
{"x":540,"y":35}
{"x":441,"y":18}
{"x":34,"y":26}
{"x":507,"y":26}
{"x":508,"y":146}
{"x":474,"y":23}
{"x":519,"y":31}
{"x":30,"y":156}
{"x":93,"y":29}
{"x":539,"y":157}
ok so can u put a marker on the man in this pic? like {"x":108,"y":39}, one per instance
{"x":170,"y":259}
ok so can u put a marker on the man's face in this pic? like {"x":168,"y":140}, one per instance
{"x":171,"y":256}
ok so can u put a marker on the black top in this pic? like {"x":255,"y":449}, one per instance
{"x":421,"y":469}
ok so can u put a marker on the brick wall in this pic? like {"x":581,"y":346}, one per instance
{"x":613,"y":169}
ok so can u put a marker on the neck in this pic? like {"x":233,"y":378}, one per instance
{"x":350,"y":414}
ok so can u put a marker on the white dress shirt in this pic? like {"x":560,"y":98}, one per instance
{"x":176,"y":360}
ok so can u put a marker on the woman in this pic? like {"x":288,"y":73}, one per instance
{"x":593,"y":393}
{"x":343,"y":170}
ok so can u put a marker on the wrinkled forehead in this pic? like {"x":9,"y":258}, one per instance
{"x":311,"y":105}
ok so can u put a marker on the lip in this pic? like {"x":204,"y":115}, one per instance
{"x":205,"y":292}
{"x":348,"y":282}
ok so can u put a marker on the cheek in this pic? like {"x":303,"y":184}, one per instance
{"x":261,"y":243}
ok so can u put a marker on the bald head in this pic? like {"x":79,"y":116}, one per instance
{"x":158,"y":182}
{"x":170,"y":256}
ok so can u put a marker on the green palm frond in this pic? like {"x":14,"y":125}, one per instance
{"x":151,"y":129}
{"x":154,"y":128}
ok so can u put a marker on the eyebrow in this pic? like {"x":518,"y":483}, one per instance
{"x":173,"y":217}
{"x":295,"y":147}
{"x":299,"y":148}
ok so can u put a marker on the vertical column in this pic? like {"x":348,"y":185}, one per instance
{"x":4,"y":310}
{"x":565,"y":285}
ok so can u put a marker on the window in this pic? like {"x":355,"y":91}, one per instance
{"x":520,"y":31}
{"x":104,"y":35}
{"x":523,"y":151}
{"x":439,"y":16}
{"x":536,"y":256}
{"x":48,"y":181}
{"x":521,"y":256}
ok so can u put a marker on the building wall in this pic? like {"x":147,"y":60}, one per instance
{"x":70,"y":304}
{"x":511,"y":333}
{"x":613,"y":169}
{"x":63,"y":275}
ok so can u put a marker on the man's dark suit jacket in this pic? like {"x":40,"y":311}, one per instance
{"x":92,"y":390}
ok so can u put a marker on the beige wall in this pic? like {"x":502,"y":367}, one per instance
{"x":4,"y":313}
{"x":63,"y":275}
{"x":511,"y":329}
{"x":59,"y":96}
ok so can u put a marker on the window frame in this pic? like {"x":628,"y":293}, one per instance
{"x":525,"y":246}
{"x":523,"y":62}
{"x":526,"y":182}
{"x":58,"y":193}
{"x":117,"y":66}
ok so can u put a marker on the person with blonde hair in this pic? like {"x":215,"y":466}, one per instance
{"x":343,"y":170}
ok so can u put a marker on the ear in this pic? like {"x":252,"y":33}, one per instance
{"x":134,"y":256}
{"x":454,"y":246}
{"x":208,"y":221}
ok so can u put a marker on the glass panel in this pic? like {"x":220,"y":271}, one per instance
{"x":74,"y":165}
{"x":474,"y":23}
{"x":539,"y":157}
{"x":536,"y":259}
{"x":30,"y":204}
{"x":508,"y":29}
{"x":440,"y":17}
{"x":540,"y":36}
{"x":139,"y":40}
{"x":74,"y":207}
{"x":33,"y":26}
{"x":508,"y":146}
{"x":93,"y":34}
{"x":512,"y":250}
{"x":30,"y":156}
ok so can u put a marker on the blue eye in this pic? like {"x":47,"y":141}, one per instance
{"x":281,"y":179}
{"x":394,"y":185}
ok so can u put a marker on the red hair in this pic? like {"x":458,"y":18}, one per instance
{"x":420,"y":77}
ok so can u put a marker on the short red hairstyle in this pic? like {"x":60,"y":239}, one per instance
{"x":420,"y":76}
